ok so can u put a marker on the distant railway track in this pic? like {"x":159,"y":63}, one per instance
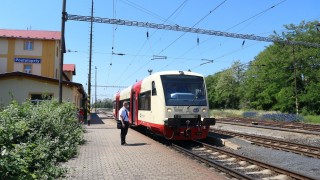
{"x":282,"y":126}
{"x":237,"y":166}
{"x":302,"y":149}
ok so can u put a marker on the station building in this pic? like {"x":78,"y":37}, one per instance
{"x":29,"y":68}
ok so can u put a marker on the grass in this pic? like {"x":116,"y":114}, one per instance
{"x":219,"y":113}
{"x":225,"y":113}
{"x":312,"y":119}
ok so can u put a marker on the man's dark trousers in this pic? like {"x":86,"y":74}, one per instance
{"x":124,"y":131}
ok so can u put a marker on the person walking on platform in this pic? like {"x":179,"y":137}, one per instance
{"x":124,"y":118}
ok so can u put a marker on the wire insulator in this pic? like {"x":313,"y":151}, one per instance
{"x":243,"y":42}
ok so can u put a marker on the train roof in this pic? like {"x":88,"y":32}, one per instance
{"x":176,"y":73}
{"x":124,"y":94}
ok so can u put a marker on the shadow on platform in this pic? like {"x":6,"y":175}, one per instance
{"x":137,"y":144}
{"x":95,"y":119}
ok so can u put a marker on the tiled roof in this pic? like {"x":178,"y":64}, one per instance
{"x":70,"y":67}
{"x":30,"y":34}
{"x":33,"y":76}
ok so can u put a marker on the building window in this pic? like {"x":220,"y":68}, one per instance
{"x":28,"y":45}
{"x":37,"y":98}
{"x":27,"y":69}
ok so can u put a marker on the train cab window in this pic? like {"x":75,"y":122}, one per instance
{"x":154,"y":89}
{"x":184,"y":90}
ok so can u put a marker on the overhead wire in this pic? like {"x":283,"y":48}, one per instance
{"x":228,"y":53}
{"x":192,"y":27}
{"x":254,"y":16}
{"x":176,"y":14}
{"x":250,"y":20}
{"x":137,"y":6}
{"x":114,"y":12}
{"x":179,"y":8}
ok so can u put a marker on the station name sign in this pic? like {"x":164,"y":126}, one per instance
{"x":27,"y":60}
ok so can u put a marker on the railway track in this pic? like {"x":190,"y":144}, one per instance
{"x":233,"y":165}
{"x":236,"y":166}
{"x":290,"y":127}
{"x":302,"y":149}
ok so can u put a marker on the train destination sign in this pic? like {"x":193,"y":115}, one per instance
{"x":27,"y":60}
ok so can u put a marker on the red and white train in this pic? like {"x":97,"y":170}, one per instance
{"x":173,"y":104}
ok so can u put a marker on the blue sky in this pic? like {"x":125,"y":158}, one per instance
{"x":183,"y":54}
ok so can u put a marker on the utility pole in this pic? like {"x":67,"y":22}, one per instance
{"x":295,"y":81}
{"x":150,"y":71}
{"x":95,"y":89}
{"x":90,"y":60}
{"x":62,"y":47}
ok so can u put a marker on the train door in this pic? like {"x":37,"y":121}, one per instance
{"x":133,"y":108}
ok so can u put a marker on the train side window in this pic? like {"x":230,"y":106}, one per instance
{"x":144,"y":102}
{"x":154,"y":89}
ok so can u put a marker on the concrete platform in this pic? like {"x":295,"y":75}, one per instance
{"x":102,"y":157}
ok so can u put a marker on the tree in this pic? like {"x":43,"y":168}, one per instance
{"x":223,"y":87}
{"x":282,"y":77}
{"x":105,"y":103}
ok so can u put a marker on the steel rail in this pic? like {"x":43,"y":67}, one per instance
{"x":220,"y":167}
{"x":288,"y":125}
{"x":274,"y":168}
{"x":269,"y":127}
{"x":311,"y":151}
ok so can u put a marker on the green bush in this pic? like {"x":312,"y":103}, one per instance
{"x":35,"y":138}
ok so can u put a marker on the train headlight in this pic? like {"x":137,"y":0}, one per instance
{"x":169,"y":110}
{"x":204,"y":110}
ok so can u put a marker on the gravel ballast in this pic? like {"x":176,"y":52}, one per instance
{"x":288,"y":160}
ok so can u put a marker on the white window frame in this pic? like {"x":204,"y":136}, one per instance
{"x":24,"y":68}
{"x":28,"y":45}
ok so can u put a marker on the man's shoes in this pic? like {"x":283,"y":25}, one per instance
{"x":124,"y":144}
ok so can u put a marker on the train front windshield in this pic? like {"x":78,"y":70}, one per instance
{"x":184,"y":90}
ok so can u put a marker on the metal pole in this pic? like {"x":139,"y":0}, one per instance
{"x":295,"y":81}
{"x":95,"y":89}
{"x":90,"y":60}
{"x":62,"y":47}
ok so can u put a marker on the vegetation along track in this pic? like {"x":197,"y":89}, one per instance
{"x":282,"y":126}
{"x":235,"y":165}
{"x":307,"y":150}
